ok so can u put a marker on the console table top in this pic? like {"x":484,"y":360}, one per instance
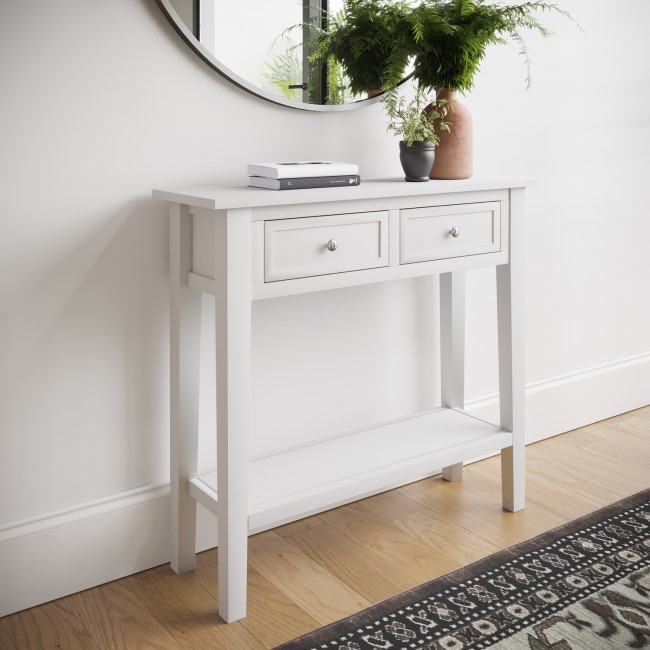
{"x":226,"y":197}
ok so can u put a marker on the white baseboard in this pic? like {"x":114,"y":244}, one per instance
{"x":62,"y":552}
{"x":575,"y":400}
{"x":72,"y":549}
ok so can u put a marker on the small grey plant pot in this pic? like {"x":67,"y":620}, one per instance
{"x":417,"y":160}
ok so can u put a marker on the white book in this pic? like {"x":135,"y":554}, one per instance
{"x":302,"y":169}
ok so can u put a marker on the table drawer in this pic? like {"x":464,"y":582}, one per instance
{"x":449,"y":231}
{"x":304,"y":247}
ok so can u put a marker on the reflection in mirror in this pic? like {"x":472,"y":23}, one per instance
{"x":275,"y":65}
{"x":252,"y":43}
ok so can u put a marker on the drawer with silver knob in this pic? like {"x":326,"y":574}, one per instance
{"x":309,"y":246}
{"x":446,"y":231}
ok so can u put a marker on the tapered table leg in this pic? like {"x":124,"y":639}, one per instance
{"x":185,"y":336}
{"x":233,"y":352}
{"x":510,"y":314}
{"x":452,"y":350}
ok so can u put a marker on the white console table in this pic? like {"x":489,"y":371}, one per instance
{"x":242,"y":244}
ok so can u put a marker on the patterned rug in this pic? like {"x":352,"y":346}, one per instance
{"x":584,"y":585}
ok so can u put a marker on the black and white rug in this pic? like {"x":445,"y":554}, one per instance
{"x":584,"y":585}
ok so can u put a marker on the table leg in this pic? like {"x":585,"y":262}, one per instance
{"x":452,"y":350}
{"x":510,"y":313}
{"x":233,"y":350}
{"x":185,"y":334}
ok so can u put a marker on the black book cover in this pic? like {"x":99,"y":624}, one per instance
{"x":307,"y":182}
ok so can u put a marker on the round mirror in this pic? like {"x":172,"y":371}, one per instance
{"x":263,"y":46}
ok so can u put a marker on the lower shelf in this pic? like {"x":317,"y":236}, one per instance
{"x":303,"y":481}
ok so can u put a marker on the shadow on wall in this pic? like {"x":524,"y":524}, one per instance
{"x":84,"y":377}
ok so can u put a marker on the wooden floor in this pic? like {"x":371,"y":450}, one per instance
{"x":309,"y":573}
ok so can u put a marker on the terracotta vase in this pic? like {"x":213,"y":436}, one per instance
{"x":454,"y":155}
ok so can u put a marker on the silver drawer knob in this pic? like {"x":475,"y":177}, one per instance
{"x":455,"y":231}
{"x":332,"y":245}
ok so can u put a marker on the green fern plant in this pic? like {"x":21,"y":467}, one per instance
{"x":416,"y":120}
{"x":375,"y":41}
{"x":449,"y":38}
{"x":367,"y":37}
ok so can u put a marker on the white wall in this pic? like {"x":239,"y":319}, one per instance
{"x":101,"y":102}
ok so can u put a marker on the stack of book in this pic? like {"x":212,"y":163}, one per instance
{"x":303,"y":175}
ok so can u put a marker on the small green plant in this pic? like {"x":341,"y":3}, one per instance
{"x":284,"y":70}
{"x":338,"y":84}
{"x":415,"y":120}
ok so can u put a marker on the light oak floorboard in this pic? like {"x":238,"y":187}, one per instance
{"x":374,"y":578}
{"x":620,"y":438}
{"x":389,"y":506}
{"x":474,"y":504}
{"x":322,"y":568}
{"x":643,"y":412}
{"x":187,"y":611}
{"x":323,"y":596}
{"x":53,"y":625}
{"x":392,"y":541}
{"x":600,"y":478}
{"x":116,"y":617}
{"x":7,"y":635}
{"x":634,"y":424}
{"x":272,"y":616}
{"x":298,"y":526}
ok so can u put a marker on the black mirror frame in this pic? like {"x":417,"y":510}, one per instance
{"x":187,"y":35}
